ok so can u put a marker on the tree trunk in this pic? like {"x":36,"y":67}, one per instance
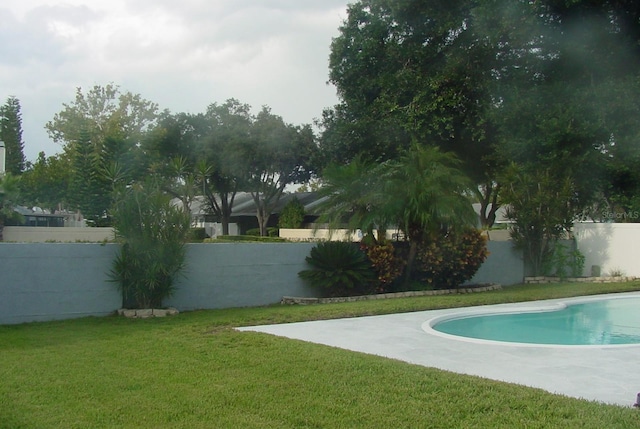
{"x":263,"y":219}
{"x":225,"y":216}
{"x":488,"y":197}
{"x":413,"y":251}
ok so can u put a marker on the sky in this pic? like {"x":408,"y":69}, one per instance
{"x":183,"y":55}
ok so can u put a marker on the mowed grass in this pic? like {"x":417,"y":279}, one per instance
{"x":196,"y":371}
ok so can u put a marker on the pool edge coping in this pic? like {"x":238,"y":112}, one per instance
{"x":555,"y":304}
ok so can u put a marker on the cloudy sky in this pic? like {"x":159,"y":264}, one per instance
{"x":182,"y":55}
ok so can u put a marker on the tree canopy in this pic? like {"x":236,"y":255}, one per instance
{"x":544,"y":91}
{"x":547,"y":82}
{"x":227,"y":149}
{"x":101,"y":112}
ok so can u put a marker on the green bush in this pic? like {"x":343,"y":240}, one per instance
{"x":197,"y":235}
{"x":561,"y":262}
{"x":292,"y":214}
{"x":153,"y":234}
{"x":244,"y":238}
{"x":451,"y":259}
{"x":386,"y":263}
{"x":271,"y":232}
{"x":340,"y":269}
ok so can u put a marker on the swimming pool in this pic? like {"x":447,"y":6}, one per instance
{"x":590,"y":322}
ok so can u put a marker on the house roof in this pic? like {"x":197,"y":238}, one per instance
{"x":243,"y":204}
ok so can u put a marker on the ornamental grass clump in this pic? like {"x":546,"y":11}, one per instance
{"x":339,"y":269}
{"x":153,"y":233}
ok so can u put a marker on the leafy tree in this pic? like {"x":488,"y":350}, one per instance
{"x":495,"y":81}
{"x":11,"y":135}
{"x":292,"y":214}
{"x":621,"y":194}
{"x":542,"y":206}
{"x":226,"y":150}
{"x":313,"y":185}
{"x":45,"y":183}
{"x":170,"y":149}
{"x":173,"y":136}
{"x":575,"y":113}
{"x":408,"y":71}
{"x":222,"y":170}
{"x":559,"y":115}
{"x":276,"y":155}
{"x":104,"y":111}
{"x":102,"y":131}
{"x":202,"y":153}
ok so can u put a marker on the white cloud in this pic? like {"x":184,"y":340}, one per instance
{"x":181,"y":55}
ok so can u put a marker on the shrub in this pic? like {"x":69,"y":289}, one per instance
{"x":561,"y":259}
{"x":292,"y":214}
{"x":244,"y":238}
{"x":340,"y":269}
{"x":451,"y":259}
{"x":386,"y":264}
{"x":615,"y":272}
{"x":197,"y":234}
{"x":271,"y":232}
{"x":153,"y":235}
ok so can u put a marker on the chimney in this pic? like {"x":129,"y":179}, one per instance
{"x":2,"y":157}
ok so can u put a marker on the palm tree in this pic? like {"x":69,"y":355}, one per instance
{"x":354,"y":194}
{"x":428,"y":193}
{"x":422,"y":193}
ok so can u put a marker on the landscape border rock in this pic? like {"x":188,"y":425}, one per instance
{"x":146,"y":313}
{"x":292,"y":300}
{"x":544,"y":279}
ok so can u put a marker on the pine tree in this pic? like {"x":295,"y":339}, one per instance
{"x":11,"y":135}
{"x":82,"y":181}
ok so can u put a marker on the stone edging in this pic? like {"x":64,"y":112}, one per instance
{"x":543,"y":279}
{"x":147,"y":312}
{"x":304,"y":301}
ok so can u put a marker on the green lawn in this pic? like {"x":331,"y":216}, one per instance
{"x":195,"y":371}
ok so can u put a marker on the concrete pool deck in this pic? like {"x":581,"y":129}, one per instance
{"x":608,"y":374}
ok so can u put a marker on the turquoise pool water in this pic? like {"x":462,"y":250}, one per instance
{"x":603,"y":322}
